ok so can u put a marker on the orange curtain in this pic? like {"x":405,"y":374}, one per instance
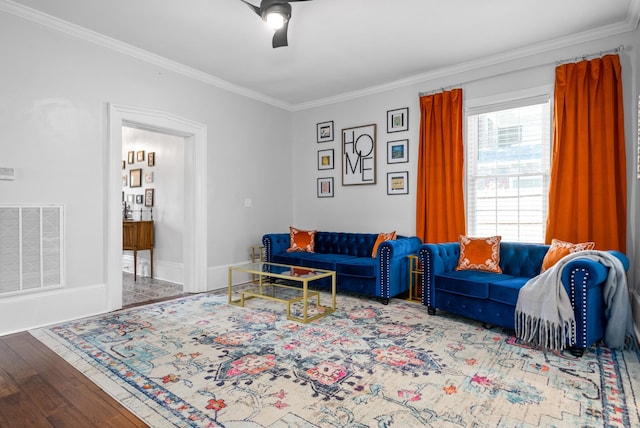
{"x":440,"y":215}
{"x":588,"y":188}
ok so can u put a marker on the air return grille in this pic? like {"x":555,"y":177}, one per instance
{"x":30,"y":248}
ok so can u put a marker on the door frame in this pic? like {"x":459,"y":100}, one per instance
{"x":195,"y":197}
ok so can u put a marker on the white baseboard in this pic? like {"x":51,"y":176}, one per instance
{"x":218,"y":276}
{"x":39,"y":309}
{"x":162,"y":270}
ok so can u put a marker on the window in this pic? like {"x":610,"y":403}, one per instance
{"x":508,"y":163}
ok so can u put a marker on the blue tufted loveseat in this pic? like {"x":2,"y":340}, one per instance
{"x":349,"y":255}
{"x":492,"y":297}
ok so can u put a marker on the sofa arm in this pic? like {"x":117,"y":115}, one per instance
{"x":392,"y":267}
{"x":435,"y":259}
{"x":275,"y":243}
{"x":583,"y":279}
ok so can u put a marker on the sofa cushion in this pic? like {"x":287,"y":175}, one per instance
{"x":313,"y":260}
{"x":472,"y":283}
{"x":357,"y":266}
{"x":559,"y":249}
{"x":382,"y":236}
{"x":505,"y":290}
{"x":301,"y":240}
{"x":480,"y":254}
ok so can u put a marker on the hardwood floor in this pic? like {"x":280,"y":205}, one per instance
{"x":40,"y":389}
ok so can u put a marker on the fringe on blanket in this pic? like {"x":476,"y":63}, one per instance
{"x":544,"y":333}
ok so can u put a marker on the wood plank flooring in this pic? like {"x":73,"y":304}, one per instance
{"x":40,"y":389}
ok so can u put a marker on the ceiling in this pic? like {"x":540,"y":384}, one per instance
{"x":337,"y":48}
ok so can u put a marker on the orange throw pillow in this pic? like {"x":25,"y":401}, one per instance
{"x":559,"y":249}
{"x":480,"y":254}
{"x":301,"y":240}
{"x":381,"y":238}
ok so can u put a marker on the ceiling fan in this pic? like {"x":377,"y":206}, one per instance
{"x":276,"y":13}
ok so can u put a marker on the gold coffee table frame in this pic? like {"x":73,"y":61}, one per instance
{"x":267,"y":289}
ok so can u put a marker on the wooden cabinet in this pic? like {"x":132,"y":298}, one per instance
{"x":138,"y":236}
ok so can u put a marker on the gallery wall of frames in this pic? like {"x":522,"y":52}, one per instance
{"x":358,"y":155}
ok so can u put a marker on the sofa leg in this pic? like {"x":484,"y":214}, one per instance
{"x":431,"y":310}
{"x":576,"y":352}
{"x":385,"y":300}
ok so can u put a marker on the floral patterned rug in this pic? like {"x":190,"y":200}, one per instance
{"x":197,"y":361}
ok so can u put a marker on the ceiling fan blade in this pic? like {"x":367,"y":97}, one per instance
{"x":280,"y":36}
{"x":256,"y":9}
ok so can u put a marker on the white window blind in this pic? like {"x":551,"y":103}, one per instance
{"x":30,"y":248}
{"x":508,"y":163}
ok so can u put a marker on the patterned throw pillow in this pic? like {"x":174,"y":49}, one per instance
{"x":381,"y":238}
{"x":559,"y":249}
{"x":480,"y":254}
{"x":301,"y":240}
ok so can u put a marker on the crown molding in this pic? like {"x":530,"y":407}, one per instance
{"x":516,"y":54}
{"x":633,"y":14}
{"x":79,"y":32}
{"x":629,"y":24}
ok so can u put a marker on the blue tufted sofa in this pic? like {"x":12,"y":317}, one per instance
{"x":349,"y":255}
{"x":492,"y":297}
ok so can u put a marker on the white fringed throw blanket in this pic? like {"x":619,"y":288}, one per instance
{"x":544,"y":315}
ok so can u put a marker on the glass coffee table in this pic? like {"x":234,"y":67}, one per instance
{"x":286,"y":284}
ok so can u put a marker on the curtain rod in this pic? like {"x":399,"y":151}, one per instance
{"x":583,"y":57}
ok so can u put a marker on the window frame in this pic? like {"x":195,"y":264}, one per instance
{"x":505,"y":101}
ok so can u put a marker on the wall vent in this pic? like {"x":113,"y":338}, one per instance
{"x":7,"y":173}
{"x":31,"y":246}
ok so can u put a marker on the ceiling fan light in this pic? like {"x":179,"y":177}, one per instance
{"x":275,"y":20}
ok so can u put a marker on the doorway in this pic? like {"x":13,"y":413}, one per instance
{"x":195,"y":196}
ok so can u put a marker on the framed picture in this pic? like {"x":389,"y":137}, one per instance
{"x":124,"y":180}
{"x":151,"y":158}
{"x":139,"y":199}
{"x":130,"y":198}
{"x":398,"y":151}
{"x":130,"y":157}
{"x":148,"y":197}
{"x":324,"y":131}
{"x":135,"y":178}
{"x":398,"y":183}
{"x":398,"y":120}
{"x":148,"y":177}
{"x":359,"y":155}
{"x":124,"y":164}
{"x":140,"y":156}
{"x":325,"y":187}
{"x":325,"y":159}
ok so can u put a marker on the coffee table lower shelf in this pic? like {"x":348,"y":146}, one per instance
{"x":268,"y":288}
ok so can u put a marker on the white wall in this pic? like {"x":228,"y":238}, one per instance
{"x":54,"y":90}
{"x":368,"y":208}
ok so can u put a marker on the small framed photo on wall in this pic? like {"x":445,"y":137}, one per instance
{"x":151,"y":158}
{"x":325,"y":159}
{"x":398,"y":151}
{"x":135,"y":178}
{"x":398,"y":183}
{"x":130,"y":157}
{"x":325,"y":187}
{"x":324,"y":131}
{"x":139,"y":199}
{"x":140,"y":156}
{"x":148,"y":197}
{"x":398,"y":120}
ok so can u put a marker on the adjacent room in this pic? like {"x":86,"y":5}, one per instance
{"x":319,"y":213}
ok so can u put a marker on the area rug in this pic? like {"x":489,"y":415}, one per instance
{"x":197,"y":361}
